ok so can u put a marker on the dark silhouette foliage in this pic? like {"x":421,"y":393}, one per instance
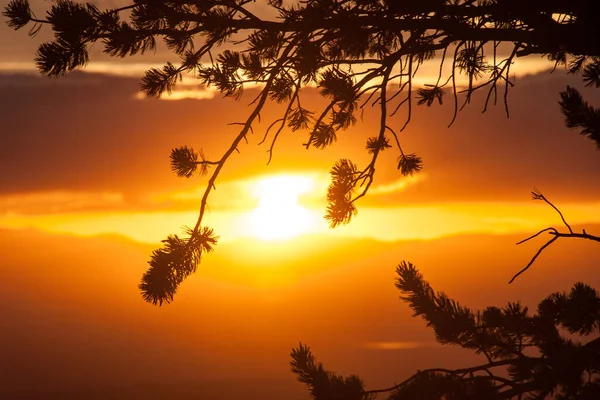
{"x":324,"y":384}
{"x":355,"y":52}
{"x":175,"y":261}
{"x":527,"y":355}
{"x":578,"y":114}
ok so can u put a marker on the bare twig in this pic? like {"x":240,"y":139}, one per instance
{"x":548,"y":243}
{"x":537,"y":195}
{"x":539,"y":233}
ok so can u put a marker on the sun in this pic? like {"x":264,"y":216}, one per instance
{"x":278,"y":214}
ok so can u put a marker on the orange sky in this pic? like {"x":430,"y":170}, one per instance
{"x":86,"y":193}
{"x":76,"y":326}
{"x":91,"y":158}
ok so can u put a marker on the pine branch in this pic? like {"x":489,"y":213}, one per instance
{"x":579,"y":114}
{"x":455,"y":372}
{"x":558,"y":366}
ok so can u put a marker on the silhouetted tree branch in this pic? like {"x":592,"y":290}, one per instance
{"x":355,"y":52}
{"x":527,"y":355}
{"x":577,"y":112}
{"x":537,"y":195}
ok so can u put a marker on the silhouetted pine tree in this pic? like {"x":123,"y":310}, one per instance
{"x":553,"y":353}
{"x":355,"y":52}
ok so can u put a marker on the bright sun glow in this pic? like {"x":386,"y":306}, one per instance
{"x":278,"y":214}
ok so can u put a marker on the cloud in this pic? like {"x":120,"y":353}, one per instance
{"x":59,"y":202}
{"x":398,"y":185}
{"x":186,"y":88}
{"x":182,"y":92}
{"x":89,"y":133}
{"x":399,"y":345}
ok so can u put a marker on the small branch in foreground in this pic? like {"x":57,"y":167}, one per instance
{"x":548,"y":243}
{"x":537,"y":195}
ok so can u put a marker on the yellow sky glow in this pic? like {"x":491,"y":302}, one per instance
{"x":284,"y":206}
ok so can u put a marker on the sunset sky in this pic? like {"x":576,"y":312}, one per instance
{"x":86,"y":193}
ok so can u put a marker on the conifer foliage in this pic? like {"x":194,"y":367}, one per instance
{"x":357,"y":53}
{"x":552,"y":353}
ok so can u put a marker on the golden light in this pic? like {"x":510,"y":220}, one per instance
{"x":278,"y":214}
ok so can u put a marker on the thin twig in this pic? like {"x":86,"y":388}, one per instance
{"x":540,"y":232}
{"x":548,"y":243}
{"x":537,"y":195}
